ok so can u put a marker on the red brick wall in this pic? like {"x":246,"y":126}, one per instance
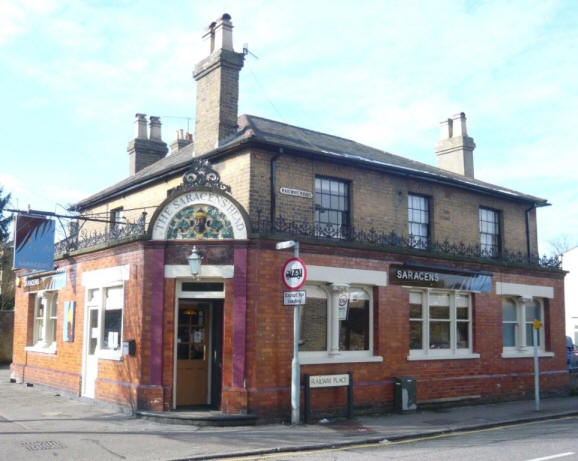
{"x":269,"y":338}
{"x":123,"y":381}
{"x":270,"y":341}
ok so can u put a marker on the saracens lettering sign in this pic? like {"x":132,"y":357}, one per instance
{"x":439,"y":278}
{"x":200,"y":215}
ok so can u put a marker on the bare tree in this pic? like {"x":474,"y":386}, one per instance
{"x":563,"y":243}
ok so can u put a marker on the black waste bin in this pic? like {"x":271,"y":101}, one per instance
{"x":404,"y":394}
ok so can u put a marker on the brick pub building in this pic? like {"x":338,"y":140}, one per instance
{"x":413,"y":270}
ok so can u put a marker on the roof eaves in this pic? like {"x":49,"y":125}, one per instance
{"x":402,"y":170}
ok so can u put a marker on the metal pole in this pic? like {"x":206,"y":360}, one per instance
{"x":536,"y":370}
{"x":295,"y":368}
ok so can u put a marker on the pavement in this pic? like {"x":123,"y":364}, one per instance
{"x":39,"y":424}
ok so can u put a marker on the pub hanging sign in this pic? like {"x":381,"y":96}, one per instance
{"x":423,"y":276}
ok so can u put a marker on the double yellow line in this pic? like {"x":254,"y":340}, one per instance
{"x":383,"y":443}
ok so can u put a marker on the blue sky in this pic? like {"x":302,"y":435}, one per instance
{"x":385,"y":73}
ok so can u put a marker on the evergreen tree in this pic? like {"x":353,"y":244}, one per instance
{"x":6,"y":295}
{"x":4,"y":220}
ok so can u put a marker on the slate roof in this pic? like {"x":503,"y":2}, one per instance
{"x":302,"y":141}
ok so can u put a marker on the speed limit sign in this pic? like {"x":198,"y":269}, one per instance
{"x":294,"y":273}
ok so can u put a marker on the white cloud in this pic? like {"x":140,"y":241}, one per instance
{"x":382,"y":73}
{"x":11,"y":21}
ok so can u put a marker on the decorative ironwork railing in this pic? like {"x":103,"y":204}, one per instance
{"x":346,"y":235}
{"x":392,"y":241}
{"x":119,"y":233}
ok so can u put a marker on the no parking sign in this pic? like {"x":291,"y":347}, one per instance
{"x":294,"y":273}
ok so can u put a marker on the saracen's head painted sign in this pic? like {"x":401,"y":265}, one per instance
{"x":200,"y":209}
{"x":199,"y":215}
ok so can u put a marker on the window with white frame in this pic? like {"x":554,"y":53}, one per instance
{"x":112,"y":318}
{"x":440,"y":323}
{"x":518,"y":317}
{"x":45,"y":319}
{"x":418,"y":221}
{"x":117,"y":219}
{"x":105,"y":308}
{"x":336,"y":323}
{"x":332,"y":217}
{"x":490,"y":235}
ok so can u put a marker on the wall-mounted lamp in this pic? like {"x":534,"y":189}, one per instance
{"x":195,"y":259}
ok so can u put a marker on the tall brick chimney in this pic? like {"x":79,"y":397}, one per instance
{"x":144,"y":150}
{"x":217,"y":79}
{"x":455,"y":149}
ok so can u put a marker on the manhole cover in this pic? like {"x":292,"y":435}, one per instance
{"x":37,"y":445}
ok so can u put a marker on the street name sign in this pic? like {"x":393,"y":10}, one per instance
{"x":329,"y":380}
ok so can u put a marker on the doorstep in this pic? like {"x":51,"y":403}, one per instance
{"x":198,"y":418}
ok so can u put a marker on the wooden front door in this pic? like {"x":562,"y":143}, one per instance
{"x":193,"y":354}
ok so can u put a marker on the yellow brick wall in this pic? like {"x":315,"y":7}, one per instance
{"x":234,"y":171}
{"x":378,"y":200}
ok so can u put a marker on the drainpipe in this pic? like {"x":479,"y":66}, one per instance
{"x":528,"y":246}
{"x":273,"y":209}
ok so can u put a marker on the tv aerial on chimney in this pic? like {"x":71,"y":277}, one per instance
{"x":246,"y":51}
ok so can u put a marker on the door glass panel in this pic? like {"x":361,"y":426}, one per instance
{"x":191,"y":341}
{"x":93,"y":333}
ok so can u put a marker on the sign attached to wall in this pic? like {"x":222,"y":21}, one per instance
{"x":342,"y":305}
{"x":294,"y":273}
{"x":199,"y":215}
{"x":33,"y":243}
{"x":296,"y":192}
{"x":329,"y":380}
{"x":439,"y":278}
{"x":48,"y":282}
{"x":68,"y":324}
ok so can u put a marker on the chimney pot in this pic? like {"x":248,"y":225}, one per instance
{"x":144,"y":151}
{"x":220,"y":34}
{"x":140,"y":126}
{"x":460,"y":128}
{"x":183,"y":139}
{"x":155,"y":128}
{"x":455,"y":148}
{"x":446,"y":128}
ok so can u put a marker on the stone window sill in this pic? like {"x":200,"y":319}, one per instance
{"x":109,"y":355}
{"x":417,"y":356}
{"x":41,"y":349}
{"x":525,"y":354}
{"x":320,"y":359}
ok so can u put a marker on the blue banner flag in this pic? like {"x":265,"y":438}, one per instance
{"x":34,"y":243}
